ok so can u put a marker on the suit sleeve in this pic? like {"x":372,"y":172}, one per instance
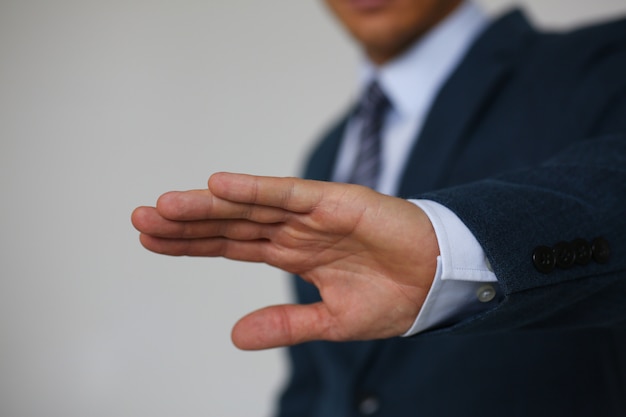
{"x":555,"y":234}
{"x":527,"y":221}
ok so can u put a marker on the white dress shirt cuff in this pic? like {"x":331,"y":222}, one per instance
{"x":464,"y":283}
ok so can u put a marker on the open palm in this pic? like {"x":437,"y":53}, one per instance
{"x":371,"y":256}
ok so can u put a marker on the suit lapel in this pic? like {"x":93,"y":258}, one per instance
{"x":462,"y":100}
{"x":322,"y":161}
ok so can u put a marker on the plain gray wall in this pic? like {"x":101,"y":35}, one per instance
{"x":104,"y":105}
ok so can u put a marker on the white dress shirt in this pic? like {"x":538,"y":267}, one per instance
{"x":464,"y":283}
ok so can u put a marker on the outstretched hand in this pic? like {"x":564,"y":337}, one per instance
{"x":371,"y":256}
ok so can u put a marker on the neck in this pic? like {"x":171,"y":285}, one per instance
{"x":384,"y":53}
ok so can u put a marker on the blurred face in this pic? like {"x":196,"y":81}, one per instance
{"x":386,"y":28}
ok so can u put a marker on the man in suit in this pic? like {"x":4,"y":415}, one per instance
{"x":502,"y":263}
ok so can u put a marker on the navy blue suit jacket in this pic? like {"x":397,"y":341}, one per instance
{"x":526,"y":144}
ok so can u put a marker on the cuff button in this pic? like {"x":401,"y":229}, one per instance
{"x":565,"y":255}
{"x":600,"y":250}
{"x":583,"y":251}
{"x":544,"y":259}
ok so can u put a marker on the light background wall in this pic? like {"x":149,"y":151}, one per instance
{"x":104,"y":105}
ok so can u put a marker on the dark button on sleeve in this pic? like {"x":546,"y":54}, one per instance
{"x":564,"y":254}
{"x":583,"y":251}
{"x":544,"y":259}
{"x":600,"y":250}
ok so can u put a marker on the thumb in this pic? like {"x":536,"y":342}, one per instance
{"x":281,"y":325}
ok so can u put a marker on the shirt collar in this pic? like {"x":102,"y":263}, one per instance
{"x":410,"y":80}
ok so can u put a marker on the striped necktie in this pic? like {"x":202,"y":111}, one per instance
{"x":371,"y":112}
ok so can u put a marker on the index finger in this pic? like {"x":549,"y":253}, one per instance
{"x":292,"y":194}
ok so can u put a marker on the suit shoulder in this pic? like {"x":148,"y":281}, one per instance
{"x":582,"y":71}
{"x":588,"y":45}
{"x":610,"y":30}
